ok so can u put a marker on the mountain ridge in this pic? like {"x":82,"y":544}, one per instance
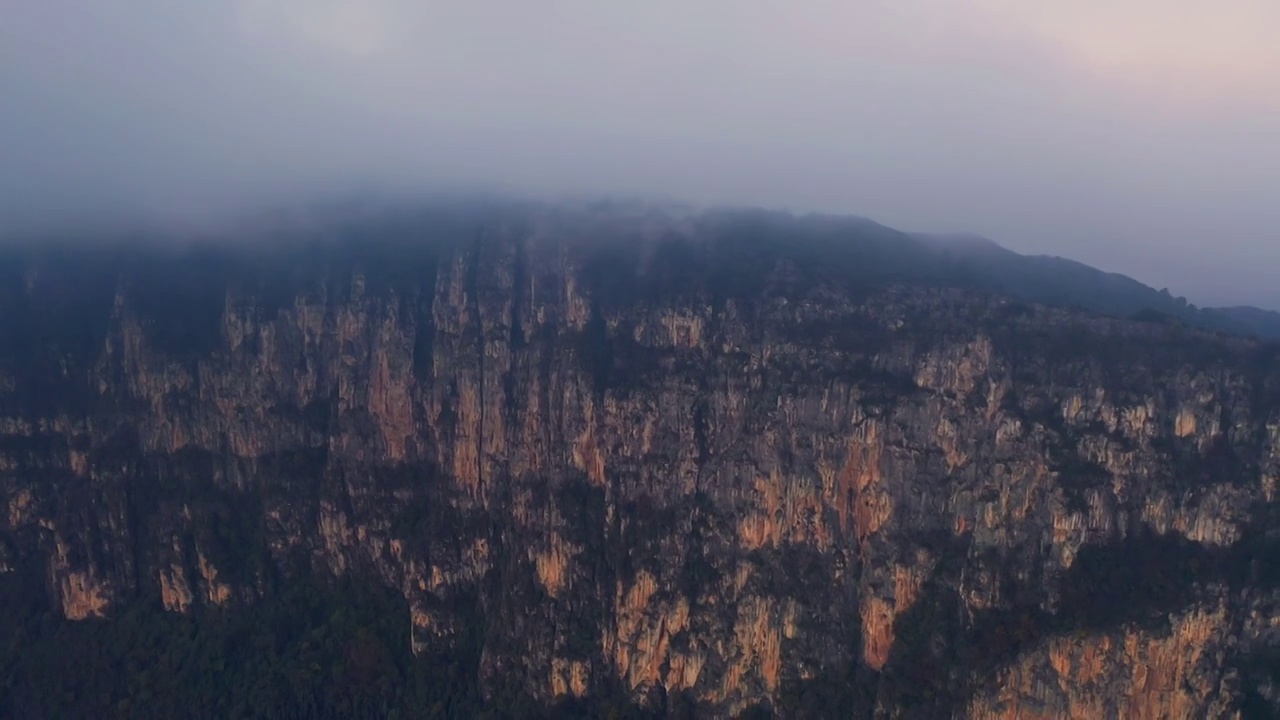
{"x":531,"y":461}
{"x":960,"y":259}
{"x":1061,"y":280}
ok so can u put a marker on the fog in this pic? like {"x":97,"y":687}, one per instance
{"x":1141,"y":136}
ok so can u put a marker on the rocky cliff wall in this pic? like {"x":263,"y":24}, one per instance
{"x":643,"y":457}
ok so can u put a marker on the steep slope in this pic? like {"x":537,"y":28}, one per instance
{"x":982,"y":263}
{"x":723,"y":463}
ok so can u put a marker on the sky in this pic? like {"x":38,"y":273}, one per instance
{"x":1140,"y":136}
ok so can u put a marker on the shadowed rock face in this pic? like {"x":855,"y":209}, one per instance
{"x":748,"y":461}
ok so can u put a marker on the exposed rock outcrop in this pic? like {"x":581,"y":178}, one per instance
{"x":671,"y":465}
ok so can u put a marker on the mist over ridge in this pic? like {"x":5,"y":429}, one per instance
{"x":1134,"y":136}
{"x":377,"y":218}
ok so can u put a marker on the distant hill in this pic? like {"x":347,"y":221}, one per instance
{"x":1251,"y":320}
{"x":982,"y":262}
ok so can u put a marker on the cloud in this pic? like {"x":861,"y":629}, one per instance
{"x":1123,"y":133}
{"x":358,"y":28}
{"x":1234,"y":37}
{"x":1188,"y":50}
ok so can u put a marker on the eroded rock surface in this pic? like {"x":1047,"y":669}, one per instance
{"x":659,"y":456}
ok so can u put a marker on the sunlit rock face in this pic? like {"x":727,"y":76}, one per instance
{"x":738,"y":459}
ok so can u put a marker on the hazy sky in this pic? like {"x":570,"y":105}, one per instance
{"x":1142,"y":136}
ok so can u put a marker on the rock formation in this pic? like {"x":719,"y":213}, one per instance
{"x":720,"y":457}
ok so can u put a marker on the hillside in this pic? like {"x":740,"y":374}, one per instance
{"x":518,"y":460}
{"x":1058,"y":281}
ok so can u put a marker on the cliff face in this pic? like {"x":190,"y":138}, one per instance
{"x":657,"y":456}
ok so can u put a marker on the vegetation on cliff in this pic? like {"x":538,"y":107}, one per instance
{"x":533,"y":461}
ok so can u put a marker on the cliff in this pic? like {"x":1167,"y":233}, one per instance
{"x":725,"y":462}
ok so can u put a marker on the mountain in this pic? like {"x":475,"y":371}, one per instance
{"x":520,"y":460}
{"x":1057,"y":281}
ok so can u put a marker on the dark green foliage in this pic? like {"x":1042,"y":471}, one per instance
{"x":940,"y":657}
{"x":1154,"y":316}
{"x":314,"y":650}
{"x":597,"y":352}
{"x":1077,"y":477}
{"x":1248,"y":320}
{"x":1261,"y":677}
{"x":179,"y":299}
{"x":59,"y":304}
{"x":759,"y":711}
{"x":840,"y":691}
{"x":54,"y":315}
{"x":1195,"y":469}
{"x":1147,"y":576}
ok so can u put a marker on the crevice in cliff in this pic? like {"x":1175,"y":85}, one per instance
{"x":477,"y":308}
{"x":516,"y":340}
{"x":701,"y":421}
{"x":424,"y":329}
